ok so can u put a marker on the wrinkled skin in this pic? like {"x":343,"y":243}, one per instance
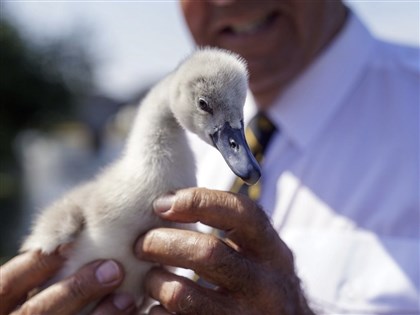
{"x":251,"y":266}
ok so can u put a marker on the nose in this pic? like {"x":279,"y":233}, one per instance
{"x":221,"y":2}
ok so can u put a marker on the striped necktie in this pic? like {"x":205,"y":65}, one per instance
{"x":258,"y":134}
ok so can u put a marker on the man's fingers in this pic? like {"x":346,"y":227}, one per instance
{"x":182,"y":296}
{"x":70,"y":295}
{"x":243,"y":220}
{"x":116,"y":304}
{"x":23,"y":273}
{"x":207,"y":255}
{"x":158,"y":310}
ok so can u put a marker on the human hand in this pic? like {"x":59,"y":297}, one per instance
{"x":31,"y":269}
{"x":252,"y":267}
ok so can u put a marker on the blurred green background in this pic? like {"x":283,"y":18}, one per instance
{"x":40,"y":87}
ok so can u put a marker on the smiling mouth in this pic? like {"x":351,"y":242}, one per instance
{"x":252,"y":27}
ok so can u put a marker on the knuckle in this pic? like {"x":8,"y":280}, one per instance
{"x":237,"y":201}
{"x":198,"y":198}
{"x":148,"y":242}
{"x":188,"y":199}
{"x":78,"y":289}
{"x":212,"y":250}
{"x":181,"y":299}
{"x":244,"y":203}
{"x":248,"y":210}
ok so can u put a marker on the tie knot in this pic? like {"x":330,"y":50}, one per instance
{"x":258,"y":133}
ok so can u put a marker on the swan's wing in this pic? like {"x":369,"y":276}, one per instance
{"x":59,"y":223}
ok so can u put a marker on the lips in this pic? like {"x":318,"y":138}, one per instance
{"x":250,"y":27}
{"x":249,"y":35}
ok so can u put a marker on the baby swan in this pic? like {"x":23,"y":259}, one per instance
{"x":103,"y":217}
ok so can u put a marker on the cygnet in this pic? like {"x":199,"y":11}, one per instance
{"x":102,"y":218}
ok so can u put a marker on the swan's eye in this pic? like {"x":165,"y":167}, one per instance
{"x":204,"y":105}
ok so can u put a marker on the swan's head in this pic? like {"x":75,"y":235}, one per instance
{"x":207,"y":98}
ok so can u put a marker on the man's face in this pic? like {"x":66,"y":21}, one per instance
{"x":277,"y":38}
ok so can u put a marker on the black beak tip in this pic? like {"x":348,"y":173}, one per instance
{"x":252,"y":176}
{"x":232,"y":145}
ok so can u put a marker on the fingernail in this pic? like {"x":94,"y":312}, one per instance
{"x":164,"y":203}
{"x":108,"y":272}
{"x":123,"y":301}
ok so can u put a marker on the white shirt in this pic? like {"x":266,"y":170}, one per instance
{"x":341,"y":179}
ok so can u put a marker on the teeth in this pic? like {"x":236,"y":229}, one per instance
{"x":248,"y":28}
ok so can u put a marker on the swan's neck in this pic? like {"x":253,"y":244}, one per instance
{"x":156,"y":136}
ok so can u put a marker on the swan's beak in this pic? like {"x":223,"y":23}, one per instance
{"x":232,"y":145}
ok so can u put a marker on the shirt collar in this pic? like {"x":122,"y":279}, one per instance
{"x":309,"y":102}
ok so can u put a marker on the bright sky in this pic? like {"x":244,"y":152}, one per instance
{"x":135,"y":42}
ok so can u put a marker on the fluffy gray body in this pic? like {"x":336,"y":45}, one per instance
{"x":103,"y":217}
